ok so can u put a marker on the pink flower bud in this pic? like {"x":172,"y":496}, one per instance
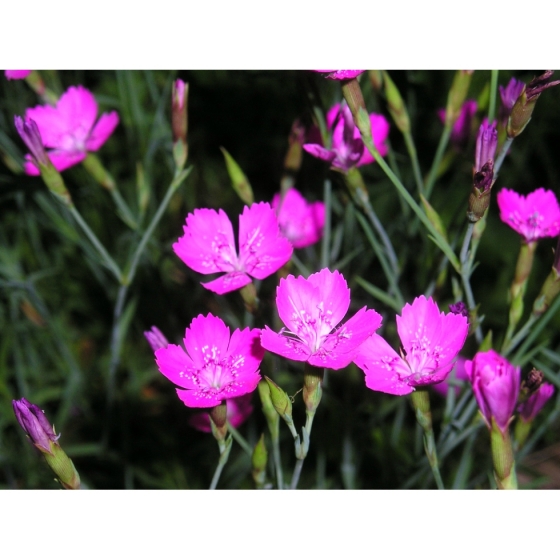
{"x":533,"y":405}
{"x":496,"y":385}
{"x":35,"y":424}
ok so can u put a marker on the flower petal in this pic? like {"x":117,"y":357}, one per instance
{"x":207,"y":245}
{"x":247,"y":353}
{"x":319,"y":152}
{"x":340,"y":348}
{"x":102,"y":130}
{"x":430,"y":339}
{"x":228,"y":283}
{"x":262,"y":248}
{"x":283,"y":345}
{"x":200,"y":399}
{"x":77,"y":108}
{"x":206,"y":334}
{"x":175,"y":364}
{"x":385,"y":370}
{"x":311,"y":308}
{"x":302,"y":223}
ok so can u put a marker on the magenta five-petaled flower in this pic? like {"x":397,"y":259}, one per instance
{"x":535,"y":216}
{"x":430,"y":343}
{"x":496,"y":384}
{"x":208,"y":246}
{"x":71,"y":129}
{"x":347,"y":149}
{"x":312,"y":309}
{"x":301,"y":222}
{"x":213,"y":366}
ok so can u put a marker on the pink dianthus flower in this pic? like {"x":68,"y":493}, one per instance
{"x":208,"y":246}
{"x":535,"y":216}
{"x":16,"y":74}
{"x":214,"y":366}
{"x":312,"y":308}
{"x":347,"y":149}
{"x":71,"y":128}
{"x":430,"y":343}
{"x":301,"y":222}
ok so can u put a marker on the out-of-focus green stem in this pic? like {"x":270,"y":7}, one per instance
{"x":225,"y":448}
{"x":97,"y":170}
{"x":107,"y":260}
{"x":501,"y":156}
{"x":326,"y":242}
{"x":466,"y":268}
{"x":518,"y":287}
{"x":438,"y":238}
{"x":493,"y":95}
{"x":244,"y":444}
{"x":178,"y":179}
{"x":359,"y":191}
{"x":421,"y":405}
{"x":411,"y":147}
{"x":432,"y":175}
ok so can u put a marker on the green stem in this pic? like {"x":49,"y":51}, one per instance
{"x":432,"y":175}
{"x":421,"y":405}
{"x":410,"y":146}
{"x":500,"y":159}
{"x":518,"y":287}
{"x":277,"y":462}
{"x":326,"y":243}
{"x":96,"y":169}
{"x":493,"y":95}
{"x":179,"y":178}
{"x":296,"y":474}
{"x":107,"y":260}
{"x":466,"y":264}
{"x":240,"y":440}
{"x":365,"y":132}
{"x":543,"y":321}
{"x":225,"y":448}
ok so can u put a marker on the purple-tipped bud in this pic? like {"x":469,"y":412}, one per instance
{"x":459,"y":308}
{"x":35,"y":424}
{"x":495,"y":383}
{"x":179,"y":97}
{"x":483,"y":170}
{"x":525,"y":104}
{"x":533,"y":405}
{"x":539,"y":84}
{"x":156,"y":339}
{"x":509,"y":96}
{"x":29,"y":132}
{"x":486,"y":144}
{"x":533,"y":382}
